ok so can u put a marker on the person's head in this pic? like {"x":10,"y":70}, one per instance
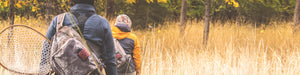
{"x":123,"y":19}
{"x":73,"y":2}
{"x":123,"y":22}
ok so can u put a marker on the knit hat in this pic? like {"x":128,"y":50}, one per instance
{"x":123,"y":19}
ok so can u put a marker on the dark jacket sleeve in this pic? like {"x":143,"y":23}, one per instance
{"x":52,"y":29}
{"x":109,"y":51}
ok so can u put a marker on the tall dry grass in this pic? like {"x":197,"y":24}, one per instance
{"x":231,"y":50}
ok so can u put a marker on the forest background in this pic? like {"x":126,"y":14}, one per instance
{"x":147,"y":13}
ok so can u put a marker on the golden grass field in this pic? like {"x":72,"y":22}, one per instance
{"x":231,"y":50}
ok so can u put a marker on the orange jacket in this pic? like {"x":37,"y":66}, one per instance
{"x":136,"y":52}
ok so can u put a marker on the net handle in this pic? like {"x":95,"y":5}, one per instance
{"x":19,"y":25}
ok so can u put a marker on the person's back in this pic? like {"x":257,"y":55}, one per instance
{"x":94,"y":28}
{"x":122,"y":32}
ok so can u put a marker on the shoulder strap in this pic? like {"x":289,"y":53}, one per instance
{"x":119,"y":47}
{"x":60,"y":20}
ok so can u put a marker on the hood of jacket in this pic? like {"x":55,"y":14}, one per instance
{"x":119,"y":32}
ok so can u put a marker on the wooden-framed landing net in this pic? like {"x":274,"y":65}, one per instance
{"x":21,"y":50}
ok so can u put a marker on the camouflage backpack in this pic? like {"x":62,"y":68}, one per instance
{"x":121,"y":56}
{"x":69,"y":56}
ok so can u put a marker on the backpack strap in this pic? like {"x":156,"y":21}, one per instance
{"x":60,"y":20}
{"x":119,"y":47}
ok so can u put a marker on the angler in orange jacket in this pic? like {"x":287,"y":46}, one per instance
{"x":122,"y":32}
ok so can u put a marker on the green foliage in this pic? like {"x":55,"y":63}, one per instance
{"x":195,"y":9}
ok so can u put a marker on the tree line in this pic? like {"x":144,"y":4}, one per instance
{"x":156,"y":12}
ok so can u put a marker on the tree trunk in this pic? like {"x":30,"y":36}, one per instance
{"x":48,"y":5}
{"x":11,"y":12}
{"x":109,"y":9}
{"x":183,"y":16}
{"x":297,"y":16}
{"x":206,"y":23}
{"x":11,"y":19}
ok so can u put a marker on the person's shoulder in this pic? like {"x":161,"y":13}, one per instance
{"x":132,"y":36}
{"x":102,"y":18}
{"x":98,"y":19}
{"x":55,"y":18}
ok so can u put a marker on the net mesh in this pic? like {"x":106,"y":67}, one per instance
{"x":21,"y":50}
